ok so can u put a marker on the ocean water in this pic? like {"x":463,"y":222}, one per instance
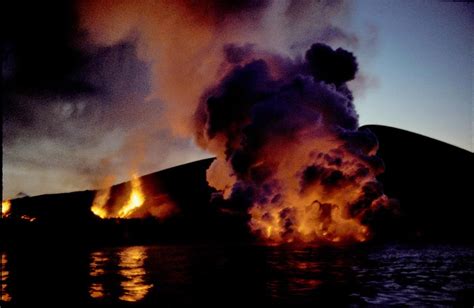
{"x":238,"y":274}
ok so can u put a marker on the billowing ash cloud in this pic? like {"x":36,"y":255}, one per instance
{"x":288,"y":148}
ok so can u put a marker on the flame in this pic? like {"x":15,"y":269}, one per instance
{"x":134,"y":202}
{"x":6,"y":206}
{"x":100,"y":200}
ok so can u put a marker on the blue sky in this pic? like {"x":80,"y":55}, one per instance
{"x":423,"y":63}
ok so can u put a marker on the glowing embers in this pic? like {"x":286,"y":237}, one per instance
{"x":6,"y":207}
{"x":131,"y":271}
{"x":28,"y":218}
{"x":134,"y":201}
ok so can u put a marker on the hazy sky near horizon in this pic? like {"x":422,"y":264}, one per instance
{"x":76,"y":112}
{"x":424,"y":66}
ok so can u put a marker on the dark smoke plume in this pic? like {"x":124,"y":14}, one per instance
{"x":286,"y":137}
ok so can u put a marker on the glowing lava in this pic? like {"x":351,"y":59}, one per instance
{"x":6,"y":206}
{"x":100,"y":200}
{"x":136,"y":200}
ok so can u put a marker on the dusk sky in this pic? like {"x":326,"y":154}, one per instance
{"x":99,"y":90}
{"x":423,"y":64}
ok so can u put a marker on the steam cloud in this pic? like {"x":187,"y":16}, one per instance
{"x":287,"y":145}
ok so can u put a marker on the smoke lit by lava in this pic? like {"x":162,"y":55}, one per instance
{"x":288,"y":148}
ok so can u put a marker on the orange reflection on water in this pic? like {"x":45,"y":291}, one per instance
{"x":301,"y":276}
{"x":5,"y":296}
{"x":131,"y":268}
{"x":96,"y":290}
{"x":97,"y":269}
{"x":124,"y":265}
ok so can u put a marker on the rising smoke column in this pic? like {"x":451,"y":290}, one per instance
{"x":182,"y":40}
{"x":285,"y":133}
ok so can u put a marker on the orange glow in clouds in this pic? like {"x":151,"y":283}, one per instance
{"x":315,"y":212}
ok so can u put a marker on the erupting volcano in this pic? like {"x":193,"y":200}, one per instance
{"x":210,"y":153}
{"x":288,"y":148}
{"x":279,"y":119}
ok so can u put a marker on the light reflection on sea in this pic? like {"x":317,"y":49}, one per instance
{"x":189,"y":274}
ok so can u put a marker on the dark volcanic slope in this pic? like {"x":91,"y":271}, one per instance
{"x":431,"y":180}
{"x":69,"y":215}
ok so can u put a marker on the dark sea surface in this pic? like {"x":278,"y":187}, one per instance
{"x":239,"y":274}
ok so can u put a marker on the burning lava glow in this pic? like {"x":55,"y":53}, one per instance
{"x":100,"y":201}
{"x":134,"y":202}
{"x":136,"y":199}
{"x":6,"y":205}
